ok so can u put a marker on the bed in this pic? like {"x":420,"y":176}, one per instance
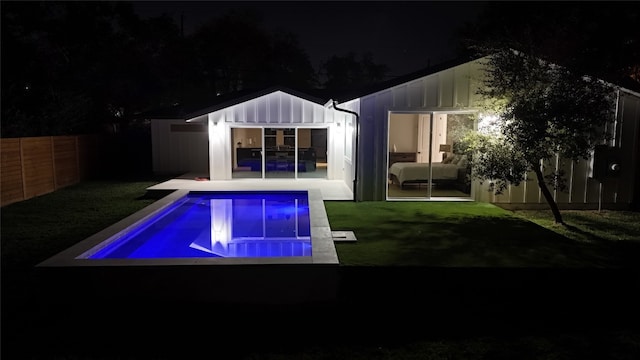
{"x":404,"y":173}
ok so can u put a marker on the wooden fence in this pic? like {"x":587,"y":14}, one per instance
{"x":33,"y":166}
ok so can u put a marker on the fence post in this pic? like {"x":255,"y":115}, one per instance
{"x":24,"y":181}
{"x":53,"y":163}
{"x":77,"y":158}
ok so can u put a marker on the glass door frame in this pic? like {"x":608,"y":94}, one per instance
{"x":239,"y":141}
{"x":277,"y":157}
{"x":420,"y":146}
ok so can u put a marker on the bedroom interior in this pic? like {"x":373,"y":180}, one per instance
{"x":423,"y":157}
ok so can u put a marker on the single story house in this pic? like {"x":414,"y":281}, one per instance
{"x":395,"y":141}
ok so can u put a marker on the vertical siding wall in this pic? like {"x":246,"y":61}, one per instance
{"x":583,"y":191}
{"x":455,"y":89}
{"x":204,"y":145}
{"x":451,"y":89}
{"x":179,"y":147}
{"x":277,"y":109}
{"x":274,"y":108}
{"x":34,"y":166}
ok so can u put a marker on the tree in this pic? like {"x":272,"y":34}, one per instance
{"x":603,"y":41}
{"x":543,"y":111}
{"x":291,"y":64}
{"x":352,"y":72}
{"x":236,"y":52}
{"x":71,"y":67}
{"x":40,"y":74}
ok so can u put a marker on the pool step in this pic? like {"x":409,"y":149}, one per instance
{"x":343,"y":236}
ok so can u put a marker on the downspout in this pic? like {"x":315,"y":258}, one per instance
{"x":355,"y":157}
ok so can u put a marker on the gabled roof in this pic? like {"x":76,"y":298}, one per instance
{"x":630,"y":85}
{"x":354,"y":94}
{"x":193,"y":110}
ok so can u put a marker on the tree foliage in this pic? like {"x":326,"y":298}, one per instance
{"x":352,"y":71}
{"x":494,"y":160}
{"x":74,"y":67}
{"x":78,"y":67}
{"x":236,"y":52}
{"x":543,"y":111}
{"x":591,"y":38}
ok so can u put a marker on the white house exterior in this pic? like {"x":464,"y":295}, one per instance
{"x":220,"y":136}
{"x":414,"y":120}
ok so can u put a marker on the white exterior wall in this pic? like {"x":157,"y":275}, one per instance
{"x":454,"y":89}
{"x":451,"y":89}
{"x":277,"y":109}
{"x":346,"y":142}
{"x":178,"y":151}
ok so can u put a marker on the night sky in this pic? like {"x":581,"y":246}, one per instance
{"x":406,"y":36}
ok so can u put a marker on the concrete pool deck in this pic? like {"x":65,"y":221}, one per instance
{"x":329,"y":189}
{"x":265,"y":280}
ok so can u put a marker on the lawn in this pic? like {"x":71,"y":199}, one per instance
{"x":425,"y":281}
{"x":471,"y":234}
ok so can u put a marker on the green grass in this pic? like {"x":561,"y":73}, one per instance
{"x":589,"y":225}
{"x":38,"y":228}
{"x":471,"y":234}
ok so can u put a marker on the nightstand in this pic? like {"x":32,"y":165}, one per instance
{"x":395,"y":157}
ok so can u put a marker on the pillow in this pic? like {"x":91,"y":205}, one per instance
{"x":455,"y":159}
{"x":463,"y":161}
{"x":447,"y":160}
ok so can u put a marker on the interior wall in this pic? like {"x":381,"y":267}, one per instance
{"x":247,"y":137}
{"x":439,"y":136}
{"x":403,"y":130}
{"x":304,"y":138}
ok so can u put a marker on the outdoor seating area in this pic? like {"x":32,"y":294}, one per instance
{"x":277,"y":159}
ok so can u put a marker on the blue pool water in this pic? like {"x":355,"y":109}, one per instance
{"x":219,"y":224}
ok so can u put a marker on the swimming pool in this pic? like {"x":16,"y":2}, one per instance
{"x":220,"y":245}
{"x":223,"y":224}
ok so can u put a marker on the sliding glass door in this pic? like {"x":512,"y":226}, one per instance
{"x":312,"y":153}
{"x":279,"y":153}
{"x":247,"y":161}
{"x":426,"y":158}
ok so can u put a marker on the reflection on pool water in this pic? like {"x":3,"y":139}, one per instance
{"x":227,"y":224}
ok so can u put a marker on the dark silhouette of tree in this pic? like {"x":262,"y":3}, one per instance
{"x":70,"y":67}
{"x":351,"y":72}
{"x":41,"y":94}
{"x":78,"y":67}
{"x":291,"y":64}
{"x":74,"y":67}
{"x":597,"y":38}
{"x":148,"y":68}
{"x":235,"y":52}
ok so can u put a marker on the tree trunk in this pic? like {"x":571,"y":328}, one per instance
{"x":547,"y":195}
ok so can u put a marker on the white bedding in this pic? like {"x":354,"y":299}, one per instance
{"x":411,"y":171}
